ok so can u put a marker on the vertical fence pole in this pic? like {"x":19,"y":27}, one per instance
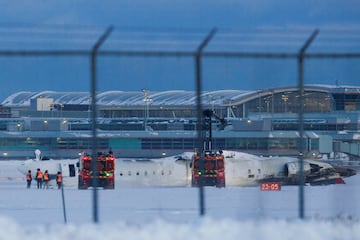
{"x":301,"y":121}
{"x":63,"y":203}
{"x":63,"y":197}
{"x":94,"y":52}
{"x":199,"y":110}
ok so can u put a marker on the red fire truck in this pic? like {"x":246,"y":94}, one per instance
{"x":208,"y":166}
{"x":105,"y":175}
{"x":213,"y":173}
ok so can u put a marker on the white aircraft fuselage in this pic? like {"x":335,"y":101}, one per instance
{"x":241,"y":169}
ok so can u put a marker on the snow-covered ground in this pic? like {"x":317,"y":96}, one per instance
{"x":172,"y":213}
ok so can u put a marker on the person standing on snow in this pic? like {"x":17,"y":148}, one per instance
{"x":28,"y":179}
{"x":59,"y":180}
{"x":46,"y":179}
{"x":39,"y":178}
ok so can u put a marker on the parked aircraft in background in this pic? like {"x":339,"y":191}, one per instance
{"x":241,"y":169}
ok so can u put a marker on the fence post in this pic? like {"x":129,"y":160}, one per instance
{"x":199,"y":116}
{"x":94,"y":52}
{"x":301,"y":120}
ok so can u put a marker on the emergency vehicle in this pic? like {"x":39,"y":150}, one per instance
{"x":105,"y":171}
{"x":213,"y":173}
{"x":208,"y":166}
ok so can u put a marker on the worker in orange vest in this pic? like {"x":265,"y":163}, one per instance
{"x":28,"y":179}
{"x":59,"y":180}
{"x":39,"y":178}
{"x":46,"y":179}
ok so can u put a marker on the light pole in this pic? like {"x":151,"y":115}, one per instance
{"x":89,"y":108}
{"x":267,"y":102}
{"x":45,"y":125}
{"x":18,"y":126}
{"x":61,"y":108}
{"x":147,"y":101}
{"x":285,"y":98}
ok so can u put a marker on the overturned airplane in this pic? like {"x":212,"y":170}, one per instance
{"x":241,"y":169}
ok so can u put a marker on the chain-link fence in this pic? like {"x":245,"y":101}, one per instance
{"x":88,"y":59}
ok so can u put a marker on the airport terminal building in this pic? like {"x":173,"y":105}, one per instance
{"x":154,"y":124}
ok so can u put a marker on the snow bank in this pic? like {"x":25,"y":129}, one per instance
{"x":205,"y":228}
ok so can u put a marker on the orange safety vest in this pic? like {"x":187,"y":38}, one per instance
{"x":39,"y":175}
{"x":28,"y":177}
{"x":59,"y":178}
{"x":46,"y":176}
